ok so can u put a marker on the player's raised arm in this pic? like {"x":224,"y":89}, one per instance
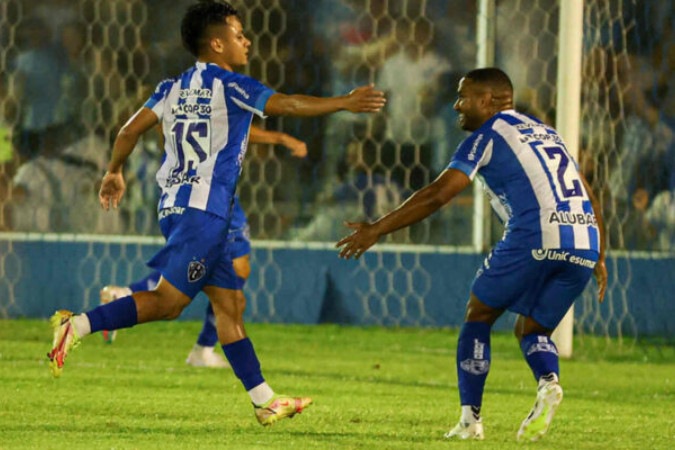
{"x":113,"y":185}
{"x":364,"y":99}
{"x":260,"y":136}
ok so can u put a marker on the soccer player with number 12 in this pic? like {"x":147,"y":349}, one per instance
{"x":553,"y":241}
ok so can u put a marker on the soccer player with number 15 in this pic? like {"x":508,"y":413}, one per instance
{"x":205,"y":114}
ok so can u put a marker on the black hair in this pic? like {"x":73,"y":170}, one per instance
{"x":491,"y":76}
{"x":198,"y":18}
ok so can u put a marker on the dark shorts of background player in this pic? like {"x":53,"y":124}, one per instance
{"x":239,"y":242}
{"x":196,"y":253}
{"x":541,"y":284}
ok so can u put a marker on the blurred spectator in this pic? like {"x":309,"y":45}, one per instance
{"x":645,"y":162}
{"x":55,"y":14}
{"x":446,"y":134}
{"x":8,"y":157}
{"x":74,"y":80}
{"x":138,"y":211}
{"x":412,"y":79}
{"x":660,"y":217}
{"x":654,"y":194}
{"x":57,"y":193}
{"x":139,"y":207}
{"x":527,"y":50}
{"x":39,"y":66}
{"x":366,"y":191}
{"x":161,"y":45}
{"x":357,"y":38}
{"x":454,"y":31}
{"x":418,"y":68}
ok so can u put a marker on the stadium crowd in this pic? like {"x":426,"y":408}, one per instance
{"x":104,"y":58}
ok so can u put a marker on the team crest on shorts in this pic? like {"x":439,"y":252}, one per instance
{"x":196,"y":271}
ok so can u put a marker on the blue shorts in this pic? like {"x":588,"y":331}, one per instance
{"x":541,"y":284}
{"x":196,"y":253}
{"x":239,"y":242}
{"x":146,"y":284}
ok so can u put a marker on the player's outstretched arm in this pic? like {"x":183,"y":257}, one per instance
{"x":112,"y":185}
{"x":417,"y":207}
{"x":364,"y":99}
{"x":260,"y":136}
{"x":600,"y":270}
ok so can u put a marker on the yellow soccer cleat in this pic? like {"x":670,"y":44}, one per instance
{"x":65,"y":339}
{"x":279,"y":407}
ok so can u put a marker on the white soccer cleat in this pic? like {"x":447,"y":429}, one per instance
{"x":535,"y":425}
{"x":465,"y":430}
{"x":110,"y":293}
{"x":206,"y":357}
{"x":107,"y":295}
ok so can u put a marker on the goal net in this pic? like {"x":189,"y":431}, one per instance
{"x":106,"y":56}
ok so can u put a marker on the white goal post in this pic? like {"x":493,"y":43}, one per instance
{"x":568,"y":107}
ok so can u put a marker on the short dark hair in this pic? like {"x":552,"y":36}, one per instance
{"x":198,"y":18}
{"x":491,"y":76}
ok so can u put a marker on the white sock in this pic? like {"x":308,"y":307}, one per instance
{"x":261,"y":394}
{"x":82,"y":325}
{"x":550,"y":378}
{"x":470,"y":414}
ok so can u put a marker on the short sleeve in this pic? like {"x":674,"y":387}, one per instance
{"x":473,"y":153}
{"x":248,"y":93}
{"x":157,"y":99}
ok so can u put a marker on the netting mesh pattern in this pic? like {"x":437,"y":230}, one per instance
{"x":106,"y":56}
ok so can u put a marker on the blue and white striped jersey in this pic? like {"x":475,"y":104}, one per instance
{"x":206,"y":115}
{"x":532,"y":181}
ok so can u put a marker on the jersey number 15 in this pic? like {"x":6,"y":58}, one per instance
{"x":192,"y":142}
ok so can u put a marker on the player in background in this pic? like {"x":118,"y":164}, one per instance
{"x":553,"y":241}
{"x":203,"y":353}
{"x":205,"y":114}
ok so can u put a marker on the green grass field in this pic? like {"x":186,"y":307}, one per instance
{"x":374,"y":388}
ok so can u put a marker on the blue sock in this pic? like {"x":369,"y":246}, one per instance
{"x":208,"y":337}
{"x":114,"y":315}
{"x":473,"y":362}
{"x":541,"y":355}
{"x":244,"y":363}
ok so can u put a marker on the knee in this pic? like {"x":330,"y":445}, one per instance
{"x":234,"y":309}
{"x":169,"y":307}
{"x":173,"y":312}
{"x":230,"y":306}
{"x":241,"y":302}
{"x":477,"y":311}
{"x":526,"y":325}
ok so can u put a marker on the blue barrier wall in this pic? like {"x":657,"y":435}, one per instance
{"x":303,"y":285}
